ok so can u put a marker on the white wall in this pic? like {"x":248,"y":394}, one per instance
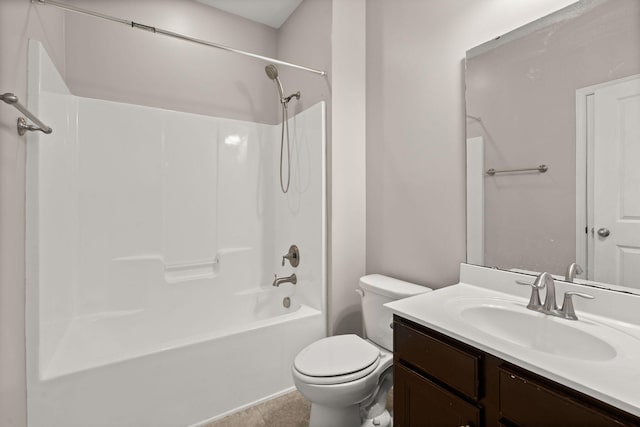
{"x":416,"y":128}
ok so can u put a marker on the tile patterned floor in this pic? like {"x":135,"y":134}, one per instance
{"x":289,"y":410}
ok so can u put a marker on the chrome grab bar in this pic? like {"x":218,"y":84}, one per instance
{"x":11,"y":99}
{"x":541,"y":169}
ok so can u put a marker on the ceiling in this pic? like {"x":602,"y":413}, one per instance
{"x":269,"y":12}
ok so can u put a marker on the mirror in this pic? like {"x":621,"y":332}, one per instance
{"x":554,"y":109}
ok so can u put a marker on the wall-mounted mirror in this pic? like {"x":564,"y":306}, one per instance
{"x":553,"y":145}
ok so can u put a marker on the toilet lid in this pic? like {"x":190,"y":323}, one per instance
{"x":337,"y":355}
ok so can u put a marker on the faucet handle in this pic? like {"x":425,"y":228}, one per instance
{"x":536,"y":284}
{"x":293,"y":256}
{"x":567,"y":311}
{"x":534,"y":300}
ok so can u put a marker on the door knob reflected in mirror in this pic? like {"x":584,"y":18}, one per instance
{"x":604,"y":232}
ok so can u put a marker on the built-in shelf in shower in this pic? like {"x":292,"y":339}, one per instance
{"x":184,"y":272}
{"x":177,"y":272}
{"x":180,"y":272}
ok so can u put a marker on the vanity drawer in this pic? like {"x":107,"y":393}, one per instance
{"x":528,"y":402}
{"x":438,"y":358}
{"x":419,"y":402}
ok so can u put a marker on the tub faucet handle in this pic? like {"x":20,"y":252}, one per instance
{"x":293,"y":256}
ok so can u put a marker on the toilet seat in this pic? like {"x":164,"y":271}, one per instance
{"x":336,"y":360}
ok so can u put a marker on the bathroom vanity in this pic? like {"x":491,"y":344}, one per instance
{"x":453,"y":366}
{"x":444,"y":382}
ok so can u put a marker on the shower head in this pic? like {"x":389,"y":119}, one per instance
{"x":272,"y":73}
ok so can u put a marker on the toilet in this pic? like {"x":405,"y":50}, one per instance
{"x":347,"y":378}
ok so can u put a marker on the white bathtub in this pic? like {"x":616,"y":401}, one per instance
{"x":101,"y":339}
{"x":188,"y":367}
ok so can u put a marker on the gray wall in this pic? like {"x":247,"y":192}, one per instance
{"x":18,"y":22}
{"x":347,"y":207}
{"x":416,"y":128}
{"x":305,"y":38}
{"x":108,"y":61}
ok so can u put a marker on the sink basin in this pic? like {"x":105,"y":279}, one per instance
{"x":537,"y":331}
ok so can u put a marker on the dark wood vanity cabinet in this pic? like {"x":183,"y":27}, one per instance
{"x":441,"y":382}
{"x":426,"y":404}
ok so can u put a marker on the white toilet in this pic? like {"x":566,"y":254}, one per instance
{"x":346,"y":377}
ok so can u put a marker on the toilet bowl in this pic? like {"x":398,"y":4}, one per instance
{"x":347,"y":377}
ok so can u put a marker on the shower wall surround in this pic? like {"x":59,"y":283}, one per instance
{"x":152,"y":234}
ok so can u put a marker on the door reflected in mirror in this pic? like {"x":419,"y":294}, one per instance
{"x":562,"y":92}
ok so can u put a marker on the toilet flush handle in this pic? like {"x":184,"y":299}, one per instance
{"x":364,"y":331}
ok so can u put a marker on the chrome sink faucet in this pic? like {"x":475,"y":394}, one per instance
{"x":277,"y":281}
{"x":572,"y":271}
{"x":550,"y":306}
{"x":545,"y":280}
{"x":540,"y":283}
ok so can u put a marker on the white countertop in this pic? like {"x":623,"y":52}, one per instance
{"x":615,"y":381}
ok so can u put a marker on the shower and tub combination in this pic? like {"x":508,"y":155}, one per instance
{"x":153,"y":238}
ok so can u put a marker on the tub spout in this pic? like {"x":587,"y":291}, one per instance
{"x":277,"y":281}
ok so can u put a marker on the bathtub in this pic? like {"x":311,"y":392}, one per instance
{"x":187,"y":367}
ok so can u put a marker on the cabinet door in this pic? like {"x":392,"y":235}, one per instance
{"x":419,"y":402}
{"x":455,"y":365}
{"x":529,"y":403}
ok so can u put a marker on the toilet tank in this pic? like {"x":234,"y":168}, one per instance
{"x":378,"y":290}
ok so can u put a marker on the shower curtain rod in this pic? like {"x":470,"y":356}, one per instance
{"x":172,"y":34}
